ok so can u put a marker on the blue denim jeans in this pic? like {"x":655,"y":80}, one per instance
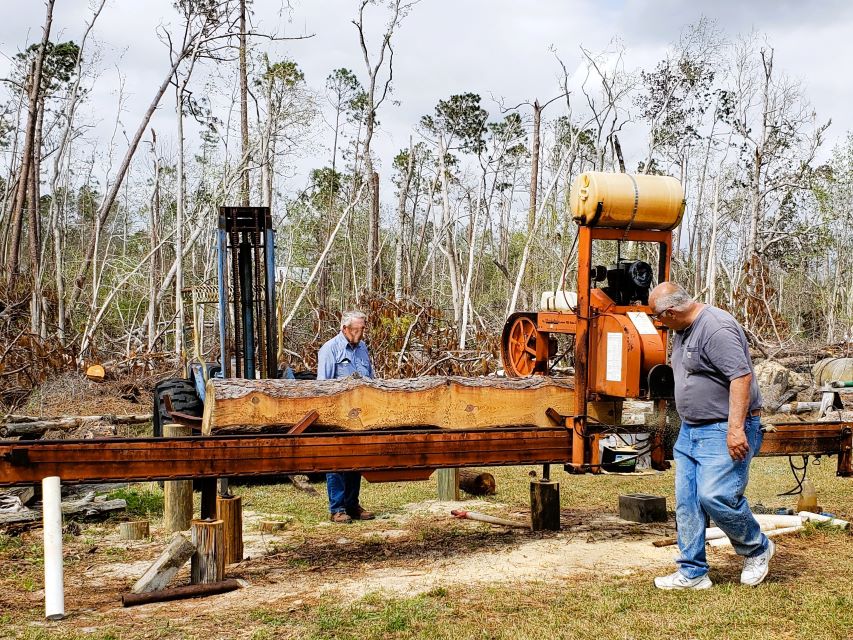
{"x":708,"y":481}
{"x":343,"y":489}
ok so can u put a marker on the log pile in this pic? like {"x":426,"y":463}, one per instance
{"x":35,"y":427}
{"x":358,"y":404}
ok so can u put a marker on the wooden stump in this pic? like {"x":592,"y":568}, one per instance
{"x":164,"y":568}
{"x":134,"y":530}
{"x":177,"y":494}
{"x":448,"y":484}
{"x":208,"y":561}
{"x":476,"y":484}
{"x":230,"y":511}
{"x":545,"y":505}
{"x":273,"y":526}
{"x":96,"y":373}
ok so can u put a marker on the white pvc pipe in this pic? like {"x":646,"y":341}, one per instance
{"x":778,"y":520}
{"x":725,"y":542}
{"x":816,"y":517}
{"x":54,"y":590}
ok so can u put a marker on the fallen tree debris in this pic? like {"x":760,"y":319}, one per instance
{"x":85,"y":507}
{"x":29,"y":426}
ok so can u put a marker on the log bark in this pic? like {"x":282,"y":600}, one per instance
{"x":134,"y":530}
{"x":164,"y":568}
{"x":33,"y":426}
{"x":357,"y":404}
{"x":208,"y":560}
{"x":477,"y":484}
{"x":177,"y":494}
{"x":79,"y":508}
{"x":180,"y":593}
{"x":230,"y":511}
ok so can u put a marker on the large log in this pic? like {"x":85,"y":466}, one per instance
{"x":357,"y":404}
{"x":80,"y":508}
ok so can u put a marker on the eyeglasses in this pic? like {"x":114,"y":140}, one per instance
{"x":659,"y":314}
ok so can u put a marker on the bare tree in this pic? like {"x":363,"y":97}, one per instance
{"x":377,"y":92}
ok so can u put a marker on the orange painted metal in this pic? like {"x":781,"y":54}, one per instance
{"x":556,"y":322}
{"x":524,"y":349}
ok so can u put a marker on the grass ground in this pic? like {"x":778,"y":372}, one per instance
{"x":292,"y":590}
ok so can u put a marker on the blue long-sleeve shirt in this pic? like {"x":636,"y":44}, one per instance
{"x":339,"y":359}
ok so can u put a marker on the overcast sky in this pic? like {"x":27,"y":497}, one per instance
{"x":496,"y":48}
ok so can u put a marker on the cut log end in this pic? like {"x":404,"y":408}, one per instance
{"x":134,"y":530}
{"x":477,"y":484}
{"x":96,"y":373}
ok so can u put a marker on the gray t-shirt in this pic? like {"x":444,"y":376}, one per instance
{"x":706,"y":357}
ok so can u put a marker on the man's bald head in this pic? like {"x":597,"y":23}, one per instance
{"x":673,"y":306}
{"x":669,"y":295}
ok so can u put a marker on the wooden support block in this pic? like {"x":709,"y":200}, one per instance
{"x":545,"y":505}
{"x":640,"y":507}
{"x":208,"y":498}
{"x":230,"y":511}
{"x":448,"y":484}
{"x":164,"y":568}
{"x":273,"y":526}
{"x":476,"y":484}
{"x":134,"y":530}
{"x":208,"y":561}
{"x":177,"y":494}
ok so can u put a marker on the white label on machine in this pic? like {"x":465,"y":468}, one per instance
{"x":614,"y":357}
{"x":642,"y":323}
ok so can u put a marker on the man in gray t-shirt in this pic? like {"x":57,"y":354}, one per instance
{"x":717,"y":397}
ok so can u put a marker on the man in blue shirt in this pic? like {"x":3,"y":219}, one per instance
{"x":343,"y":356}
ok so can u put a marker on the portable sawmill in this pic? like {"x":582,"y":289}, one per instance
{"x":405,"y":429}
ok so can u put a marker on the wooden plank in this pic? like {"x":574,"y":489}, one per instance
{"x":448,"y":484}
{"x":359,"y":404}
{"x":164,"y":568}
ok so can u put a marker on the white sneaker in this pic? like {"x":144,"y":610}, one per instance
{"x":755,"y":569}
{"x":678,"y":580}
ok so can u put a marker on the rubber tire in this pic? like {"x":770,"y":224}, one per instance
{"x":184,"y":399}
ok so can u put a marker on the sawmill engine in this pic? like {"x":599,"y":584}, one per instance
{"x":628,"y":282}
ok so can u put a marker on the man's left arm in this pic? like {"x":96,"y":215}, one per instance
{"x":369,"y":361}
{"x":726,"y":352}
{"x":739,"y":394}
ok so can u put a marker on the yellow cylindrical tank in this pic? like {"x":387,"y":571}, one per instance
{"x":638,"y":201}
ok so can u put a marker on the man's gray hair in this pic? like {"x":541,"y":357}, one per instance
{"x":349,"y":316}
{"x":675,"y":298}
